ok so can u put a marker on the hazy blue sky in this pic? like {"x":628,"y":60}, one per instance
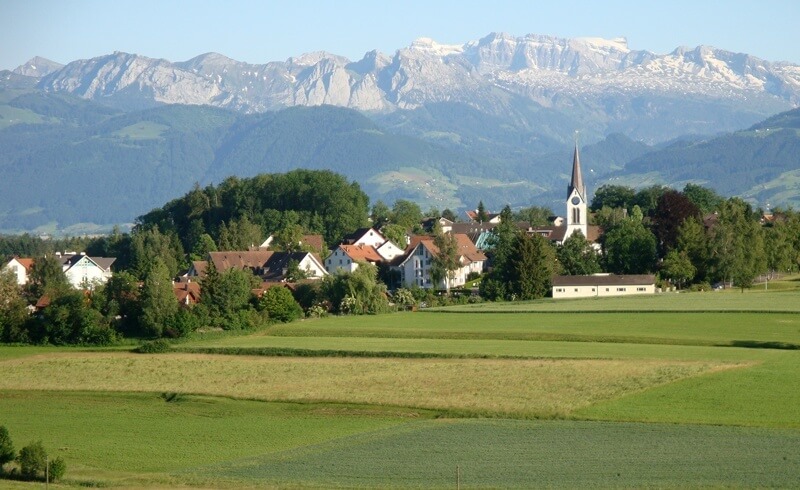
{"x":261,"y":31}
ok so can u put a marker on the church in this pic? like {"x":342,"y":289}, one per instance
{"x":577,"y":218}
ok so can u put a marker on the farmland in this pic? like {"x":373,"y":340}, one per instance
{"x":679,"y":390}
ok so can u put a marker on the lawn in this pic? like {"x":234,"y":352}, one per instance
{"x":681,"y":390}
{"x":709,"y":329}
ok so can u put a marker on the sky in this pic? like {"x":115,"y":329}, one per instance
{"x":262,"y":31}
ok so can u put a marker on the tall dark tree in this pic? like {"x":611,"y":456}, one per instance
{"x":531,"y":267}
{"x":158,"y":303}
{"x":482,"y":215}
{"x":672,"y":210}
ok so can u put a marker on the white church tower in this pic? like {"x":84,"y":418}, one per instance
{"x":577,"y":217}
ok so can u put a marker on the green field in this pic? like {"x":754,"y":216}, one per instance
{"x":668,"y":391}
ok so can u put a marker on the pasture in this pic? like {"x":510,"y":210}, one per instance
{"x":680,"y":390}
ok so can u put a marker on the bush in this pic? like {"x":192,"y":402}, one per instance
{"x":280,"y":305}
{"x":701,"y":286}
{"x":32,"y":460}
{"x":158,"y":346}
{"x":57,"y":469}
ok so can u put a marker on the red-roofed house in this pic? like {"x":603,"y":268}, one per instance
{"x":346,"y":258}
{"x":21,"y":267}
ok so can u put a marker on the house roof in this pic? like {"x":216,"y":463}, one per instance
{"x":244,"y":259}
{"x":556,"y":233}
{"x":473,"y":215}
{"x":315,"y":242}
{"x":357,"y":235}
{"x":187,"y":292}
{"x":25,"y":262}
{"x":69,"y":260}
{"x":362,"y":253}
{"x":605,"y":280}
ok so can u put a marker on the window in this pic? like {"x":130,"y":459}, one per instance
{"x":576,"y":290}
{"x":641,"y":289}
{"x":593,"y":290}
{"x":606,"y":289}
{"x":576,"y":215}
{"x":622,"y":290}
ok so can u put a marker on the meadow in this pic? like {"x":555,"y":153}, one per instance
{"x":667,"y":391}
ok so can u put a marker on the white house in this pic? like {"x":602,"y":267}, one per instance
{"x":365,"y":236}
{"x":415,"y":269}
{"x":21,"y":267}
{"x":389,"y":251}
{"x":84,"y":271}
{"x":599,"y":285}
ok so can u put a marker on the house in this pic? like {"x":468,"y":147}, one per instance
{"x":599,"y":285}
{"x":187,"y":293}
{"x":365,"y":236}
{"x":415,"y":268}
{"x":268,"y":265}
{"x":83,"y":271}
{"x":347,"y":257}
{"x":21,"y":267}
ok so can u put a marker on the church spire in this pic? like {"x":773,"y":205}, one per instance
{"x":577,"y":177}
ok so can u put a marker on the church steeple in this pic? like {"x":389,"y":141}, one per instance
{"x":577,"y":217}
{"x":577,"y":178}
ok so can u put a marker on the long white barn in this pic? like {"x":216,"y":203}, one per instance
{"x":602,"y":285}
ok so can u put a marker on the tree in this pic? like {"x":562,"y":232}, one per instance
{"x":280,"y":305}
{"x":202,"y":247}
{"x":502,"y":247}
{"x":693,"y":241}
{"x":672,"y":210}
{"x":158,"y":302}
{"x":358,"y":292}
{"x":445,"y":259}
{"x":289,"y":239}
{"x":704,"y":198}
{"x":150,"y":244}
{"x":69,"y":319}
{"x":481,"y":214}
{"x":678,"y":268}
{"x":395,"y":234}
{"x":577,"y":256}
{"x":7,"y":451}
{"x":57,"y":469}
{"x":647,"y":198}
{"x":13,"y":312}
{"x":778,"y":247}
{"x":406,"y":214}
{"x":630,"y":248}
{"x":613,"y":196}
{"x":737,"y":244}
{"x":531,"y":267}
{"x":448,"y":214}
{"x":32,"y":460}
{"x":535,"y":215}
{"x":47,"y":278}
{"x":380,"y":214}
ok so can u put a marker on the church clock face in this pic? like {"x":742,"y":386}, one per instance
{"x":576,"y":200}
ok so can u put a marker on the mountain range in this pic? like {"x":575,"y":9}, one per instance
{"x":445,"y":125}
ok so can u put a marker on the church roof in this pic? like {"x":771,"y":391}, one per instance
{"x":577,"y":176}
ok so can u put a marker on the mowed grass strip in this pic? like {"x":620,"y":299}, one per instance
{"x":133,"y":438}
{"x":755,"y":300}
{"x":769,"y":330}
{"x":527,"y":454}
{"x":267,"y":345}
{"x":487,"y":387}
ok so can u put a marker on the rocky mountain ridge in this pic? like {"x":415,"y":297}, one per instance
{"x":602,"y":83}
